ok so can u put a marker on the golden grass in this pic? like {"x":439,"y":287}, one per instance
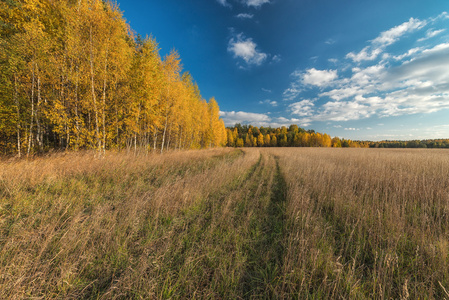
{"x":366,"y":223}
{"x":225,"y":223}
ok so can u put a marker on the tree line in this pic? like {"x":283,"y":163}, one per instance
{"x":75,"y":76}
{"x":293,"y":136}
{"x":432,"y":143}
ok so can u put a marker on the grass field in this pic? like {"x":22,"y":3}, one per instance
{"x":308,"y":223}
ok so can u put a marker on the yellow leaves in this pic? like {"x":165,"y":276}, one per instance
{"x":82,"y":80}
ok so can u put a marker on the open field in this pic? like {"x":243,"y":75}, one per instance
{"x":313,"y":223}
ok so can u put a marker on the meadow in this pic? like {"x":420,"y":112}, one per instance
{"x":308,"y":223}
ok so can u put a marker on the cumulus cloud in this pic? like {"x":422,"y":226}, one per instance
{"x":311,"y":77}
{"x":342,"y":111}
{"x":302,"y":108}
{"x":245,"y":48}
{"x":319,"y":78}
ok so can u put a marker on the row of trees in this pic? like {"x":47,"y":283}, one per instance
{"x":438,"y":143}
{"x":74,"y":76}
{"x":293,"y":136}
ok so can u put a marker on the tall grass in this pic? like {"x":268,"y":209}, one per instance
{"x":366,"y":223}
{"x":225,"y":223}
{"x":73,"y":226}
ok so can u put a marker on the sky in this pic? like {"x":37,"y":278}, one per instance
{"x":357,"y":69}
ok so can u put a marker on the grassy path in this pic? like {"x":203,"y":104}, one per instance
{"x":229,"y":245}
{"x":265,"y":258}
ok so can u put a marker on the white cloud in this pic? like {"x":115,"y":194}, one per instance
{"x":341,"y":93}
{"x":342,"y":111}
{"x":255,"y":3}
{"x":231,"y":117}
{"x":319,"y":78}
{"x":269,"y":102}
{"x":408,"y":53}
{"x":287,"y":122}
{"x":266,"y":90}
{"x":431,"y":33}
{"x":314,"y":77}
{"x":245,"y":16}
{"x":367,"y":53}
{"x":367,"y":77}
{"x":392,"y":35}
{"x":302,"y":108}
{"x":245,"y":48}
{"x":443,"y":16}
{"x":385,"y":39}
{"x":292,"y":92}
{"x":419,"y":85}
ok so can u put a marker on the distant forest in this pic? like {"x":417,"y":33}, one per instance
{"x":294,"y":136}
{"x":75,"y":76}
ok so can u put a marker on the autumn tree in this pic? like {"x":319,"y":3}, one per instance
{"x":74,"y":76}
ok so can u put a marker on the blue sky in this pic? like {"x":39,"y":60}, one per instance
{"x":367,"y":70}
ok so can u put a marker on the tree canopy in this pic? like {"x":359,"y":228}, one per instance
{"x":75,"y":76}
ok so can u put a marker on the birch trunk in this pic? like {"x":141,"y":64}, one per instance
{"x":16,"y":100}
{"x":163,"y":135}
{"x":94,"y":98}
{"x":30,"y":137}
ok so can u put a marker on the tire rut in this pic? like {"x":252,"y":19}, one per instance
{"x":265,"y":257}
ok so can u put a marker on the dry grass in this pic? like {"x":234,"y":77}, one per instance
{"x":366,"y":223}
{"x":225,"y":223}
